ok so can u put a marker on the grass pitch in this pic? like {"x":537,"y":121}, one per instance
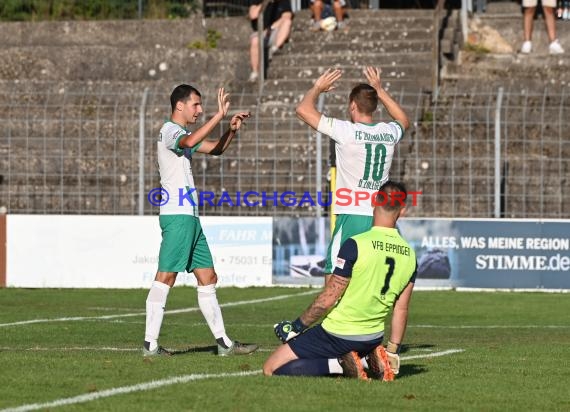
{"x":80,"y":350}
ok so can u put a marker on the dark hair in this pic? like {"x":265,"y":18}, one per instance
{"x":391,"y":196}
{"x":182,"y":93}
{"x":365,"y":97}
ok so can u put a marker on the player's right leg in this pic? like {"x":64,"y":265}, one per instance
{"x":319,"y":353}
{"x":172,"y":258}
{"x":155,"y":304}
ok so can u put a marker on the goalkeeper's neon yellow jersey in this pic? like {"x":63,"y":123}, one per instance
{"x":380,"y":264}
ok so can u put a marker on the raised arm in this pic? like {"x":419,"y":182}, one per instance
{"x":202,"y":132}
{"x":307,"y":107}
{"x":219,"y":146}
{"x":392,"y":107}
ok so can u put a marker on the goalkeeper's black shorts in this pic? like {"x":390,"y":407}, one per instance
{"x":317,"y":343}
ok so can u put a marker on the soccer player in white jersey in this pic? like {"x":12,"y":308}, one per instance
{"x":364,"y":149}
{"x":184,"y":246}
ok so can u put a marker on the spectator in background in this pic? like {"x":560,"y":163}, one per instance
{"x":548,"y":7}
{"x":321,"y":10}
{"x":277,"y":22}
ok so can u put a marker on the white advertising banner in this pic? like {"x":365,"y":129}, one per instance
{"x":66,"y":251}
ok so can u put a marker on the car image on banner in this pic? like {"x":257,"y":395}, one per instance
{"x":299,"y":247}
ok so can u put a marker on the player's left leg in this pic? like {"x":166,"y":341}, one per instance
{"x":550,"y":23}
{"x":203,"y":267}
{"x":282,"y":355}
{"x":318,"y":353}
{"x":285,"y":361}
{"x":210,"y":308}
{"x":554,"y":47}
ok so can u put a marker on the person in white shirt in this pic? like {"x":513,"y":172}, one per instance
{"x":364,"y":149}
{"x":184,"y":246}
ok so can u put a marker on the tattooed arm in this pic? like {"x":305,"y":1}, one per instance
{"x":334,"y":289}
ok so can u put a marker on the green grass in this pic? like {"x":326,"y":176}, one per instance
{"x":516,"y":354}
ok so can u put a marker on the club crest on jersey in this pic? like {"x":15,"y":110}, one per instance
{"x":339,"y":263}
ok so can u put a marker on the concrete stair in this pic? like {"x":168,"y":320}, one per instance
{"x":400,"y":42}
{"x":531,"y":72}
{"x":70,"y":95}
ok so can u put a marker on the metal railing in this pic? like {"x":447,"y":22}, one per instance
{"x":78,"y":152}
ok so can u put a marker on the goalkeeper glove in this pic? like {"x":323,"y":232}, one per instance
{"x":393,"y":352}
{"x":287,"y":330}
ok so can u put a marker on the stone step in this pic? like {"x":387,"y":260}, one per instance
{"x":352,"y":59}
{"x":96,"y":33}
{"x":334,"y":45}
{"x":408,"y":85}
{"x":372,"y":33}
{"x":392,"y":13}
{"x":103,"y":63}
{"x":369,"y":17}
{"x":389,"y":73}
{"x":147,"y":33}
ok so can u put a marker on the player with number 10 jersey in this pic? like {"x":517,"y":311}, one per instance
{"x":364,"y":155}
{"x":364,"y":149}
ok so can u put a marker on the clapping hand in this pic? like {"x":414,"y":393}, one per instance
{"x":325,"y":83}
{"x":237,"y":120}
{"x":373,"y":77}
{"x":223,"y":101}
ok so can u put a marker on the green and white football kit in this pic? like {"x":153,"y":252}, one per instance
{"x":364,"y":155}
{"x":184,"y":246}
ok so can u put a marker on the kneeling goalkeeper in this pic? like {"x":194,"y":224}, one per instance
{"x":374,"y":271}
